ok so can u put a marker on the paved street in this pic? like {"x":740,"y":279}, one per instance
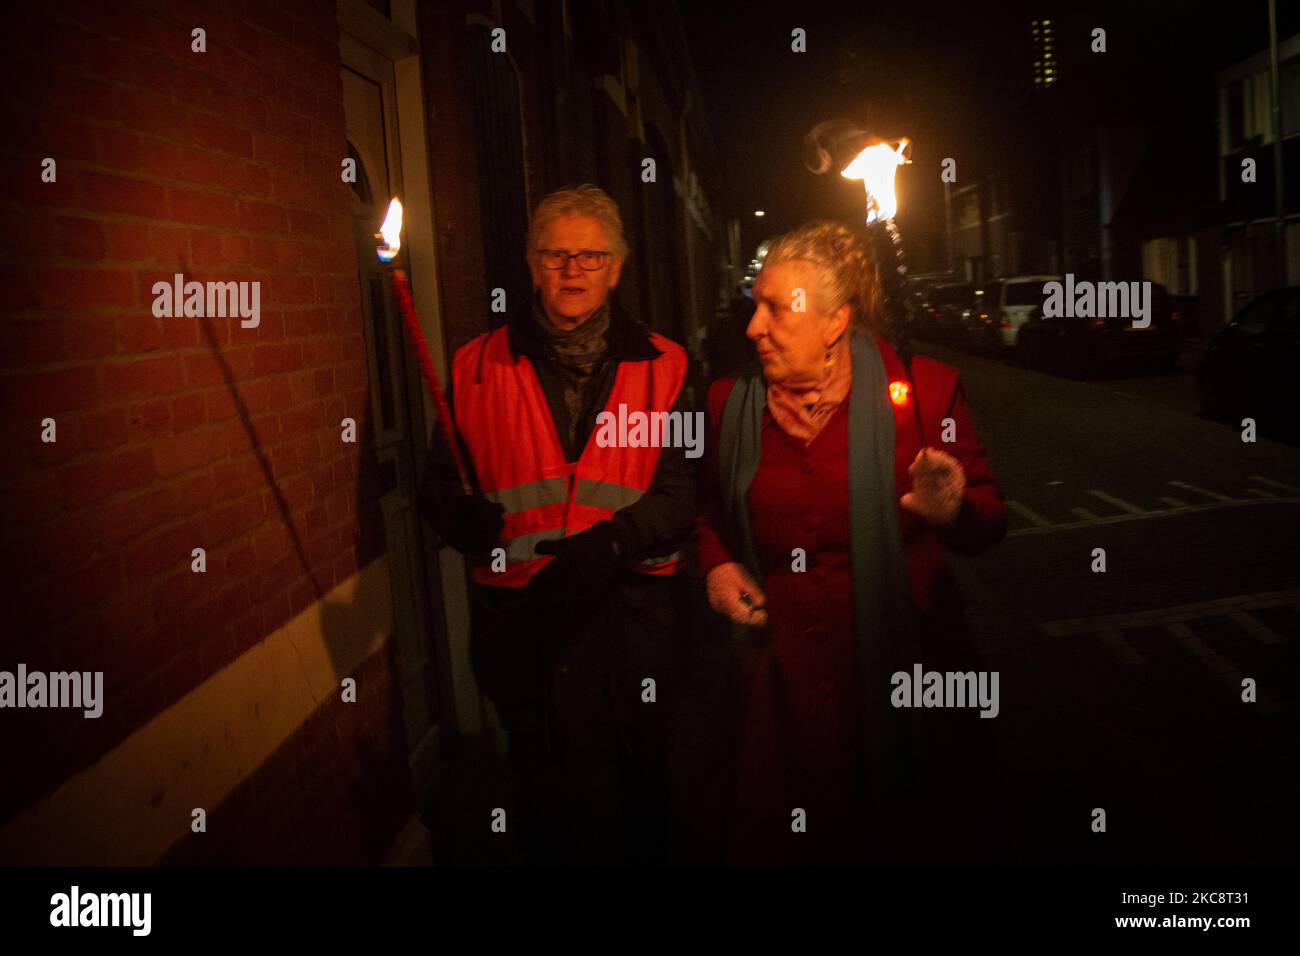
{"x":1122,"y":690}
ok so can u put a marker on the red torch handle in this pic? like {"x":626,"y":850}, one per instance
{"x":407,"y":308}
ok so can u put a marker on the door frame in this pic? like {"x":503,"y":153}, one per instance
{"x":365,"y":33}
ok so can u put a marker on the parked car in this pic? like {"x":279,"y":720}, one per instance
{"x":1251,"y":367}
{"x":1089,"y":347}
{"x":980,"y":322}
{"x":945,"y":304}
{"x":918,"y":300}
{"x":1021,"y":296}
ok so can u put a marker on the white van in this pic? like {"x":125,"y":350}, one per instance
{"x":1021,"y":295}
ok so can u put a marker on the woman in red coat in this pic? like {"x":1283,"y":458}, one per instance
{"x":823,"y":529}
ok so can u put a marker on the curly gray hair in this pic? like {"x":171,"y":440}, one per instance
{"x":846,"y":269}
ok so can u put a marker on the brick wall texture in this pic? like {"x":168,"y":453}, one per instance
{"x":177,"y":433}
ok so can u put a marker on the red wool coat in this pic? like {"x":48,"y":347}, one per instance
{"x":799,"y":739}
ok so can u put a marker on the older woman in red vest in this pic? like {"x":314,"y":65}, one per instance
{"x":823,"y":531}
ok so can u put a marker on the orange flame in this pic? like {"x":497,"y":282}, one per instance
{"x":876,"y":166}
{"x":390,"y":233}
{"x":898,"y":393}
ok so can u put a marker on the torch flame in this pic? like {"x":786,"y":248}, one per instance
{"x":390,"y":233}
{"x":898,"y":393}
{"x":876,"y":166}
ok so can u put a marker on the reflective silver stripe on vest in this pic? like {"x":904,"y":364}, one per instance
{"x":521,"y":548}
{"x":605,"y":494}
{"x":531,"y":494}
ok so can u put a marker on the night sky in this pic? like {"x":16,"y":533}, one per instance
{"x":956,"y":78}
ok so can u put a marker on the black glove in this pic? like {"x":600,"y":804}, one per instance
{"x":584,"y":567}
{"x":474,"y":524}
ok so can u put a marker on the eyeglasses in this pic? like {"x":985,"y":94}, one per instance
{"x":588,"y":260}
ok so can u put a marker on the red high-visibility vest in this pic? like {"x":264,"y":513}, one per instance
{"x":502,"y":415}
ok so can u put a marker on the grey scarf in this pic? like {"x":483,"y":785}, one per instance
{"x":575,"y":353}
{"x":885,"y":621}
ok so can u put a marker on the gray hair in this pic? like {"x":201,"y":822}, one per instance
{"x":584,"y":200}
{"x":846,"y":271}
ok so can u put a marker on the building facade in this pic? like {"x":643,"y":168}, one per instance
{"x":216,"y":512}
{"x":1261,"y":246}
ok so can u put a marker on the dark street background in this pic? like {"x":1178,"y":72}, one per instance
{"x":1123,"y":689}
{"x":957,"y":79}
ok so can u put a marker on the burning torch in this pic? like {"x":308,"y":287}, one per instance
{"x":875,"y":164}
{"x":389,"y":243}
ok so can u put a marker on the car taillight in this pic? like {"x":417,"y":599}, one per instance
{"x":1097,"y":324}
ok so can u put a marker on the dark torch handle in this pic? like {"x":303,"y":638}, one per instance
{"x":887,"y":248}
{"x":407,"y":308}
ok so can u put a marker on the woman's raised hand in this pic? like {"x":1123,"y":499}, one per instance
{"x":938,"y":484}
{"x":733,"y":593}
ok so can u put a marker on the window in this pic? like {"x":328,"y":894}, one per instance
{"x":958,"y":295}
{"x":362,"y":185}
{"x":1183,"y":277}
{"x":499,"y":154}
{"x":1024,"y":293}
{"x":1289,"y":82}
{"x":1079,"y":172}
{"x":1236,"y":115}
{"x":1249,"y":110}
{"x":990,"y":296}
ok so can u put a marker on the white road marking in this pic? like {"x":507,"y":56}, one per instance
{"x":1211,"y":658}
{"x":1276,"y":484}
{"x":1202,"y":491}
{"x":1174,"y":620}
{"x":1261,"y":631}
{"x":1183,"y":509}
{"x":1084,"y":518}
{"x":1121,"y":648}
{"x":1119,"y":503}
{"x":1177,"y":613}
{"x":1217,"y":663}
{"x":1029,"y":514}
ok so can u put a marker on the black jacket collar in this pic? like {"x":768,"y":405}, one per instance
{"x":629,"y":340}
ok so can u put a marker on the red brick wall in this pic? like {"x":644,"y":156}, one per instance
{"x":222,"y":165}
